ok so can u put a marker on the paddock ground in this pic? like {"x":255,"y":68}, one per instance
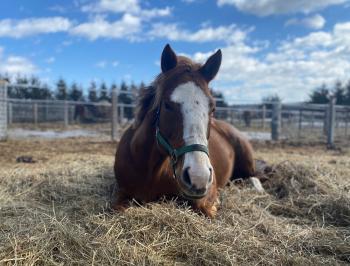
{"x":53,"y":212}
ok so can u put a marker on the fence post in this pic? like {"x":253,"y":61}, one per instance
{"x":114,"y":115}
{"x":121,"y":114}
{"x":331,"y":123}
{"x":325,"y":121}
{"x":347,"y":117}
{"x":3,"y":112}
{"x":10,"y":115}
{"x":276,"y":121}
{"x":263,"y":116}
{"x":66,"y":114}
{"x":35,"y":111}
{"x":300,"y":126}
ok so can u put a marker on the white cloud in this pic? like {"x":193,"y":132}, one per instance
{"x":101,"y":64}
{"x":315,"y":22}
{"x":14,"y":65}
{"x":33,"y":26}
{"x":292,"y":70}
{"x":173,"y":32}
{"x":272,"y":7}
{"x":99,"y":27}
{"x":50,"y":60}
{"x":105,"y":63}
{"x":58,"y":8}
{"x":125,"y":6}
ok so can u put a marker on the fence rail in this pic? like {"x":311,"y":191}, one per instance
{"x":294,"y":121}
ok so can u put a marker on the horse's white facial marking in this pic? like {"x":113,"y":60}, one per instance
{"x":195,"y":112}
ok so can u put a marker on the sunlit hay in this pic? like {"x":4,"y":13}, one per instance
{"x":55,"y":212}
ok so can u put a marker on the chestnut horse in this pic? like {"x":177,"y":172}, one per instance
{"x":176,"y":148}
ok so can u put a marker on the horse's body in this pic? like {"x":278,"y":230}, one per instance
{"x":144,"y":170}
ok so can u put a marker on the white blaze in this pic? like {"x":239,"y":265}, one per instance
{"x":195,"y":112}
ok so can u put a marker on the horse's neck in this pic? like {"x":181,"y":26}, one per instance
{"x":144,"y":145}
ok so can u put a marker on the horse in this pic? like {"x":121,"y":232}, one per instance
{"x":176,"y":148}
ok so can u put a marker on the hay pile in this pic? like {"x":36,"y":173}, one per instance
{"x":54,"y":212}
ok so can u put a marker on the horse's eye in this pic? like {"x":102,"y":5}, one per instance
{"x":212,"y":110}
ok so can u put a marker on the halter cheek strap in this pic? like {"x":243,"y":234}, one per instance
{"x":176,"y":153}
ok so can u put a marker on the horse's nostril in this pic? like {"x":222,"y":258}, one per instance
{"x":186,"y":176}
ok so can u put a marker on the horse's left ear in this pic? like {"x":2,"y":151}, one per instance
{"x":212,"y":66}
{"x":169,"y":59}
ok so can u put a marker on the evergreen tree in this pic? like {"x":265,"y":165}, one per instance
{"x":347,"y":93}
{"x":22,"y":91}
{"x":320,"y":95}
{"x":339,"y":93}
{"x":270,"y":99}
{"x":75,"y":93}
{"x":61,"y":90}
{"x":92,"y":92}
{"x":142,"y":86}
{"x":103,"y":93}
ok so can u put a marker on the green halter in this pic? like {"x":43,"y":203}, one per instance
{"x":173,"y":153}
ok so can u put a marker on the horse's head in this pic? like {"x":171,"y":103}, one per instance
{"x":183,"y":119}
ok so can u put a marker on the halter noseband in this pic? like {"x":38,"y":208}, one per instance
{"x":173,"y":153}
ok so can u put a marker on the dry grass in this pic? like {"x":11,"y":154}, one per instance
{"x":53,"y":212}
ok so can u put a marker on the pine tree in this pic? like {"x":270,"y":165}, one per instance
{"x":61,"y":90}
{"x":75,"y":93}
{"x":103,"y":93}
{"x":23,"y":91}
{"x":339,"y":93}
{"x":92,"y":92}
{"x":347,"y":93}
{"x":320,"y":95}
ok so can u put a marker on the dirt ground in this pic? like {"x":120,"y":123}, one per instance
{"x":53,"y":211}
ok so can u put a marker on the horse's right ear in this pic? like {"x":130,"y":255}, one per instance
{"x":169,"y":59}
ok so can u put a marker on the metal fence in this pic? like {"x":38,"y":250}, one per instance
{"x":294,"y":122}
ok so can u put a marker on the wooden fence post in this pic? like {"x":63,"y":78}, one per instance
{"x":347,"y":117}
{"x":66,"y":114}
{"x":300,"y":127}
{"x":10,"y":115}
{"x":331,"y":123}
{"x":276,"y":121}
{"x":121,"y":113}
{"x":114,"y":115}
{"x":263,"y":116}
{"x":325,"y":121}
{"x":35,"y":111}
{"x":3,"y":112}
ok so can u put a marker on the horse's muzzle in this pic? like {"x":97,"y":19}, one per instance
{"x":197,"y":189}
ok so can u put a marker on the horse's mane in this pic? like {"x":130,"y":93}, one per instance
{"x":146,"y":103}
{"x":150,"y":97}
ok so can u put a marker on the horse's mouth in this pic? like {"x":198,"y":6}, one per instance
{"x":187,"y":194}
{"x":192,"y":196}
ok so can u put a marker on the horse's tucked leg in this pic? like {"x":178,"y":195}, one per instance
{"x":244,"y":161}
{"x":120,"y":202}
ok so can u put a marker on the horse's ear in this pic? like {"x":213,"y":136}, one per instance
{"x":169,"y":59}
{"x":211,"y":67}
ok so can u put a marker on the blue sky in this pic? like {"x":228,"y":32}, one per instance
{"x":269,"y":46}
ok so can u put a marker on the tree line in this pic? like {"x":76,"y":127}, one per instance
{"x":340,"y":91}
{"x":34,"y":88}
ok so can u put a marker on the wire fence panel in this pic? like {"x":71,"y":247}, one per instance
{"x":298,"y":122}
